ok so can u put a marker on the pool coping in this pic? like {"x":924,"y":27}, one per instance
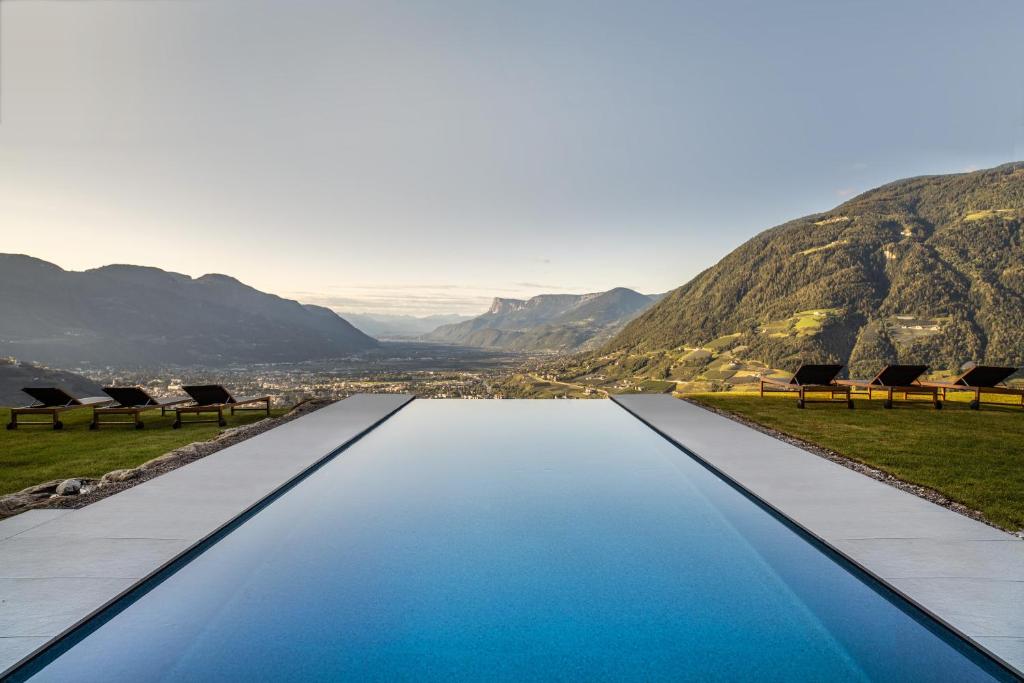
{"x":364,"y":419}
{"x":655,"y":411}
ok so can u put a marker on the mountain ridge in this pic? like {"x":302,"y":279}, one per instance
{"x":547,"y":322}
{"x":925,"y":270}
{"x":15,"y":375}
{"x":140,"y":315}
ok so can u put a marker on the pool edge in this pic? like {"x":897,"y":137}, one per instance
{"x":732,"y":481}
{"x":202,"y":543}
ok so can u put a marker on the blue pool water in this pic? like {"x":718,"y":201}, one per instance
{"x":514,"y":540}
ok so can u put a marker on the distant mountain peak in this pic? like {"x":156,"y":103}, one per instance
{"x":125,"y":315}
{"x":502,"y":306}
{"x":220,"y":278}
{"x":24,"y":261}
{"x":547,"y":322}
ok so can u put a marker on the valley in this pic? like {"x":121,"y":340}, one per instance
{"x":924,"y":270}
{"x":424,"y":369}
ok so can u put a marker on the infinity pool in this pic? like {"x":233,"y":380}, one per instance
{"x":512,"y":540}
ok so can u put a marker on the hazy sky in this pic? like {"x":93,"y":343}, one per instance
{"x":425,"y":156}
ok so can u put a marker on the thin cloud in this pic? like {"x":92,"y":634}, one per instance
{"x":396,"y":301}
{"x":537,"y":285}
{"x":396,"y":285}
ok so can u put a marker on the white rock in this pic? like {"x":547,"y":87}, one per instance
{"x":69,"y":487}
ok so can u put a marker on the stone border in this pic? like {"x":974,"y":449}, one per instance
{"x":931,"y":495}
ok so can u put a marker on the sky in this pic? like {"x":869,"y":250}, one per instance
{"x":424,"y":157}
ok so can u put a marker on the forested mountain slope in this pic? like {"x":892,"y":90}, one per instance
{"x":928,"y":269}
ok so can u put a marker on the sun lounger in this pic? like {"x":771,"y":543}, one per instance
{"x":213,"y":398}
{"x":981,"y":379}
{"x":811,"y":379}
{"x":51,"y":401}
{"x":130,"y":401}
{"x":896,"y":379}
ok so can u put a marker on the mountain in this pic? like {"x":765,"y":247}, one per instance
{"x":136,"y":316}
{"x":15,"y":375}
{"x":547,"y":322}
{"x":384,"y":326}
{"x":928,"y":269}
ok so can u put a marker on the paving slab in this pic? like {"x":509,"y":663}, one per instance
{"x":1012,"y":648}
{"x":127,"y":558}
{"x":979,"y":607}
{"x":903,"y":558}
{"x":57,"y":567}
{"x":45,"y":607}
{"x":967,"y":574}
{"x":12,"y":526}
{"x":13,"y":648}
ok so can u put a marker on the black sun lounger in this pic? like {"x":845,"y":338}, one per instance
{"x":214,"y":398}
{"x":981,"y":379}
{"x":896,"y":379}
{"x":130,"y":401}
{"x":51,"y":401}
{"x":812,"y":379}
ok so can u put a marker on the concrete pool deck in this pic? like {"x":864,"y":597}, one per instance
{"x":58,"y":567}
{"x":965,"y":573}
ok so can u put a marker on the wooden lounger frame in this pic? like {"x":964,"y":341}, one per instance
{"x":134,"y":411}
{"x":981,"y":380}
{"x":40,"y":408}
{"x":891,"y":392}
{"x":836,"y":392}
{"x":130,"y":401}
{"x":53,"y":412}
{"x":812,"y":378}
{"x":905,"y":381}
{"x":977,"y":401}
{"x":218,"y":408}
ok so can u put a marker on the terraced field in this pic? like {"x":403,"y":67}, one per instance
{"x":801,"y":324}
{"x":989,"y":213}
{"x":906,"y":329}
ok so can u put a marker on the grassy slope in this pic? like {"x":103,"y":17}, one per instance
{"x":32,"y":455}
{"x":974,"y":457}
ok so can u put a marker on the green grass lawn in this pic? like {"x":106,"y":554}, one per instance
{"x":32,"y":455}
{"x":973,"y":457}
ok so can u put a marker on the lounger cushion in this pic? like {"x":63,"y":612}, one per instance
{"x":816,"y":374}
{"x":899,"y":375}
{"x":985,"y":376}
{"x":52,"y":397}
{"x":209,"y":394}
{"x":130,"y":397}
